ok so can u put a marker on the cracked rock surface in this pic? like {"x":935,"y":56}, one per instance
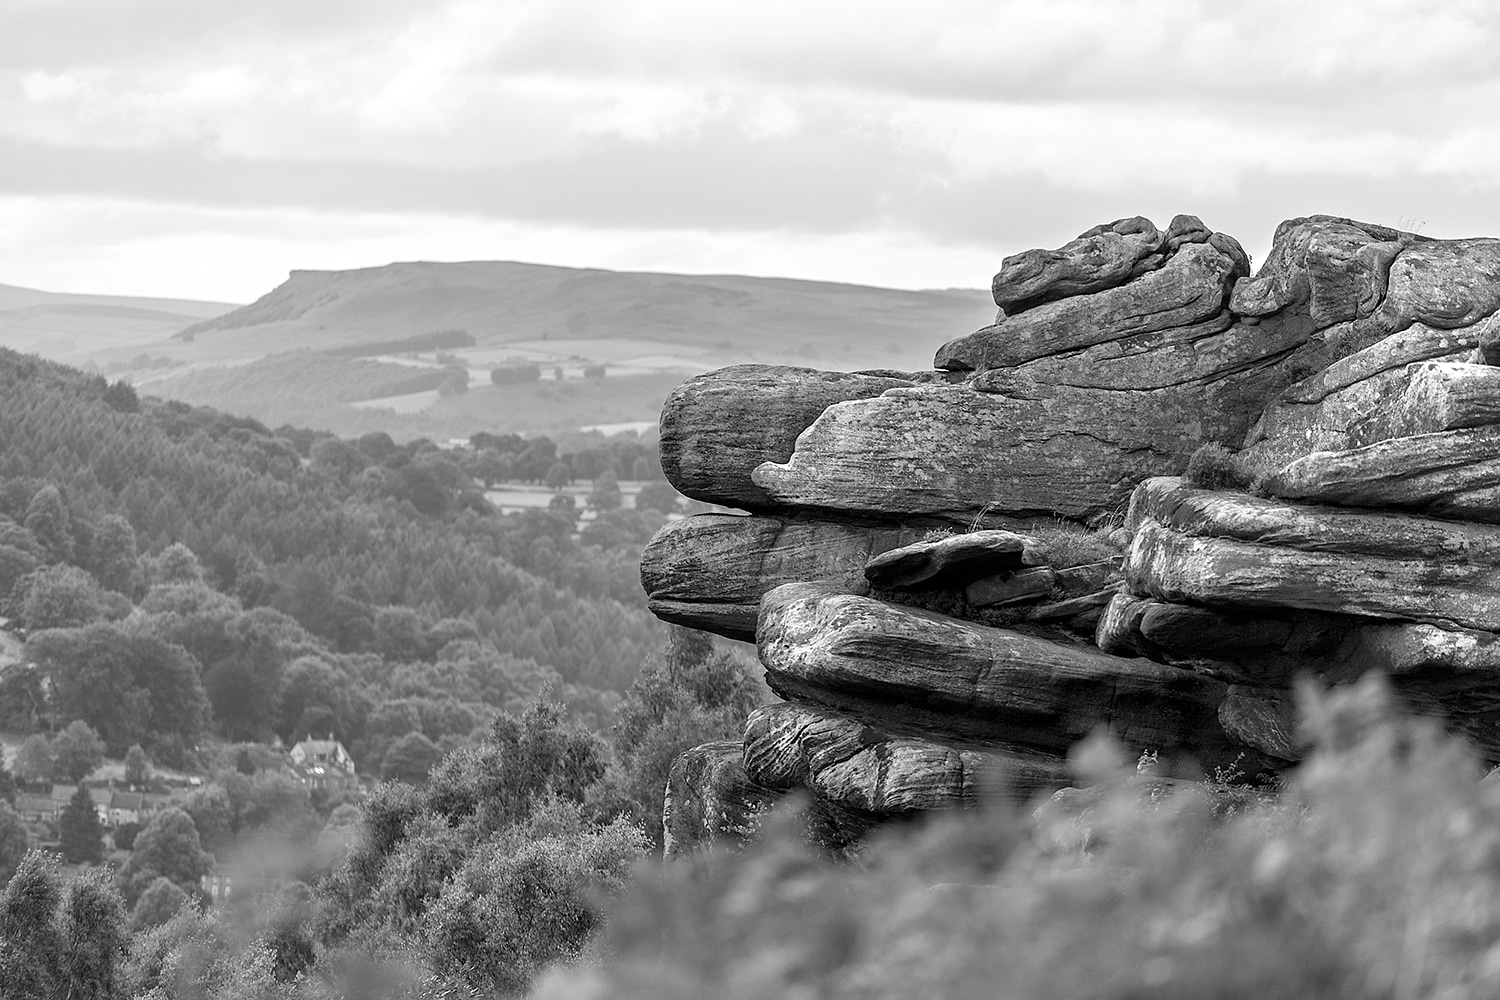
{"x":952,"y":576}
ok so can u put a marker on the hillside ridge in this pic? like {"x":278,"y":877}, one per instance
{"x":543,"y":299}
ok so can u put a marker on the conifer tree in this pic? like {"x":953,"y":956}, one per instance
{"x":82,"y":836}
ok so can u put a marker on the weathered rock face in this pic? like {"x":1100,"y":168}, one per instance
{"x":709,"y":571}
{"x":884,"y":771}
{"x":952,"y":452}
{"x":920,"y":667}
{"x":1239,"y":551}
{"x":1379,"y":278}
{"x":901,"y":665}
{"x":1378,"y":300}
{"x":1104,"y":257}
{"x":955,"y":558}
{"x":716,"y":428}
{"x":1190,"y":291}
{"x":1071,"y":401}
{"x":710,"y":800}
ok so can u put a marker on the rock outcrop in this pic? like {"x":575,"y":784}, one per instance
{"x":953,"y":576}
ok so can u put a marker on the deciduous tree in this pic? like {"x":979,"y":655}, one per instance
{"x":687,"y":696}
{"x":49,"y":523}
{"x":116,"y":562}
{"x":558,"y":476}
{"x":77,"y":752}
{"x":658,"y":495}
{"x":167,"y":848}
{"x":409,"y":759}
{"x":34,"y":759}
{"x":606,"y":492}
{"x":95,"y":937}
{"x":137,"y":767}
{"x":127,"y":683}
{"x":32,"y":957}
{"x":158,"y":903}
{"x":62,"y":597}
{"x":176,"y":564}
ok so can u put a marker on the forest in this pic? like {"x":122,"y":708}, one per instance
{"x":195,"y":589}
{"x":251,"y":549}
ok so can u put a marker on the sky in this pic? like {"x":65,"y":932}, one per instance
{"x":191,"y":149}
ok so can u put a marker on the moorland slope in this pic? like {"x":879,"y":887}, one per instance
{"x":648,"y":331}
{"x":67,"y":326}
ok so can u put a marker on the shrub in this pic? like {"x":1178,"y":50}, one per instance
{"x":1215,"y":467}
{"x":1061,"y":545}
{"x":1375,"y":875}
{"x":490,"y":870}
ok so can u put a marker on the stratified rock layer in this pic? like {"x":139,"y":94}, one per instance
{"x":906,"y":665}
{"x":876,"y":770}
{"x":1239,"y":551}
{"x":954,"y":452}
{"x":1191,"y":290}
{"x":1358,"y":528}
{"x":716,"y":428}
{"x":1450,"y":473}
{"x":709,"y":571}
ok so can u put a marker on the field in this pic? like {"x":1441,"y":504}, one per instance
{"x":275,"y":393}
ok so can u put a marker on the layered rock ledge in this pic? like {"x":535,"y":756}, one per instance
{"x":1146,"y":498}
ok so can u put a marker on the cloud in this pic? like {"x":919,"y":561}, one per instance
{"x":111,"y":246}
{"x":966,"y":121}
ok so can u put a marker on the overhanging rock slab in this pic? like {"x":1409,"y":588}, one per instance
{"x":709,"y":571}
{"x":900,"y":663}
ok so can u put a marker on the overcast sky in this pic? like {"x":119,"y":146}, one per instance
{"x":201,"y":149}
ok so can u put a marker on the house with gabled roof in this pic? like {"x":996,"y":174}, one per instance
{"x":34,"y":808}
{"x":63,"y":794}
{"x":323,"y":764}
{"x":125,"y":807}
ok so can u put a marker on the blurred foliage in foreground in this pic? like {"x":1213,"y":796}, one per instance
{"x":1375,"y":874}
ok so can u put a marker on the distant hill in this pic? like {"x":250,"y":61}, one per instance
{"x":66,"y":326}
{"x":500,"y":303}
{"x":648,"y":331}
